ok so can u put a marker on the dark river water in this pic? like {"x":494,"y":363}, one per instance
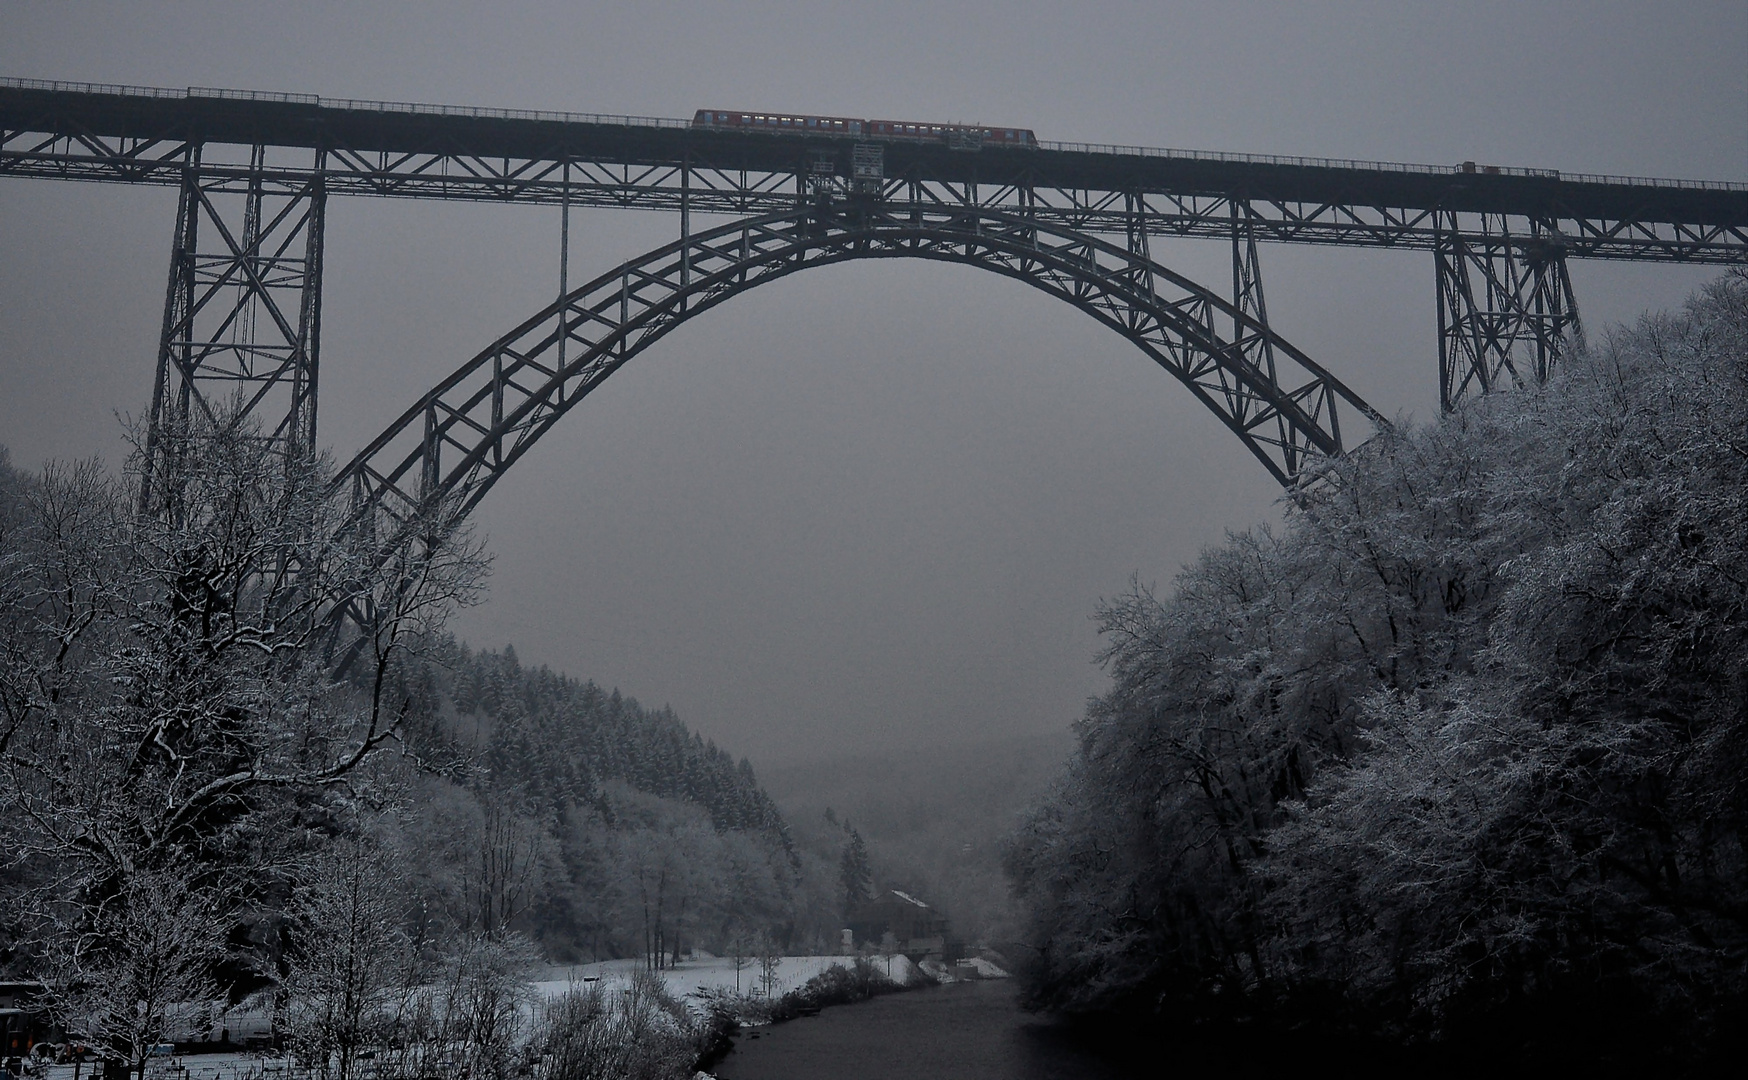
{"x":966,"y":1031}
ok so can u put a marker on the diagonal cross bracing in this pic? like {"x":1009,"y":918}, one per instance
{"x":145,"y":135}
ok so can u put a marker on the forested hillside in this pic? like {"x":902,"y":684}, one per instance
{"x":1458,"y":755}
{"x":558,"y":737}
{"x":596,"y":826}
{"x":209,"y":784}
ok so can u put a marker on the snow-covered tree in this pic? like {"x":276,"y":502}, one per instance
{"x":351,"y":968}
{"x":172,"y":708}
{"x":1457,"y":752}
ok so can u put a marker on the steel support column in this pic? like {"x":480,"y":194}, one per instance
{"x":1247,"y":296}
{"x":1506,"y":311}
{"x":241,"y":333}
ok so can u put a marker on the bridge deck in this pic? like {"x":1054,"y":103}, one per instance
{"x":143,"y":135}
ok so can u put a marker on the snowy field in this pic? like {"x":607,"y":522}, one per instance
{"x":714,"y":973}
{"x":684,"y":981}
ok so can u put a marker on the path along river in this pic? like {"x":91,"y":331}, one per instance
{"x":965,"y":1031}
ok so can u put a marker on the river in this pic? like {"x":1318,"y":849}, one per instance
{"x":965,"y":1031}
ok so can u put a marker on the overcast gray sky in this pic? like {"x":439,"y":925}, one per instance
{"x":872,"y":506}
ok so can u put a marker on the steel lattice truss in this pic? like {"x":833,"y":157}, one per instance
{"x":1347,"y":210}
{"x":1505,"y":312}
{"x":454,"y":444}
{"x":242,"y":314}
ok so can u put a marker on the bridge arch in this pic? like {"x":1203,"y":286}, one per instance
{"x":451,"y":446}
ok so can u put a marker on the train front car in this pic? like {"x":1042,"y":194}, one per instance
{"x":782,"y":123}
{"x":957,"y":136}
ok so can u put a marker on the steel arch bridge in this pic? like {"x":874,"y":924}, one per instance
{"x":242,"y":312}
{"x":453,"y":445}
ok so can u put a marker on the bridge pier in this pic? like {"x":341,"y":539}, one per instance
{"x":1506,"y":311}
{"x":242,"y":312}
{"x":1247,"y":295}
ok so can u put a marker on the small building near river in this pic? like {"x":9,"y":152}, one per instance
{"x":918,"y":930}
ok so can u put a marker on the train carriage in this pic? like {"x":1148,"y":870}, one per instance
{"x":953,"y":134}
{"x":756,"y":121}
{"x":957,"y":136}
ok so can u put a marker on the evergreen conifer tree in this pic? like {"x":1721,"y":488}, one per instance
{"x":854,"y":876}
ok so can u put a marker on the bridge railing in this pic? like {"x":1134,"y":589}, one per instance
{"x":1384,"y":166}
{"x":346,"y":104}
{"x":1116,"y":149}
{"x":118,"y":89}
{"x":360,"y":105}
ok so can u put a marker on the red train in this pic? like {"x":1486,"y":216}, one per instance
{"x":966,"y":136}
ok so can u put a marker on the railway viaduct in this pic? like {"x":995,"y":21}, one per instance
{"x":242,"y":311}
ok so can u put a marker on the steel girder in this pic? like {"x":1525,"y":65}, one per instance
{"x":242,"y":313}
{"x":1350,"y":215}
{"x":451,"y":447}
{"x":1506,"y":311}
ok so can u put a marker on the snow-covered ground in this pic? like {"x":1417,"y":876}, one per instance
{"x":715,"y":974}
{"x":684,"y":981}
{"x":233,"y":1066}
